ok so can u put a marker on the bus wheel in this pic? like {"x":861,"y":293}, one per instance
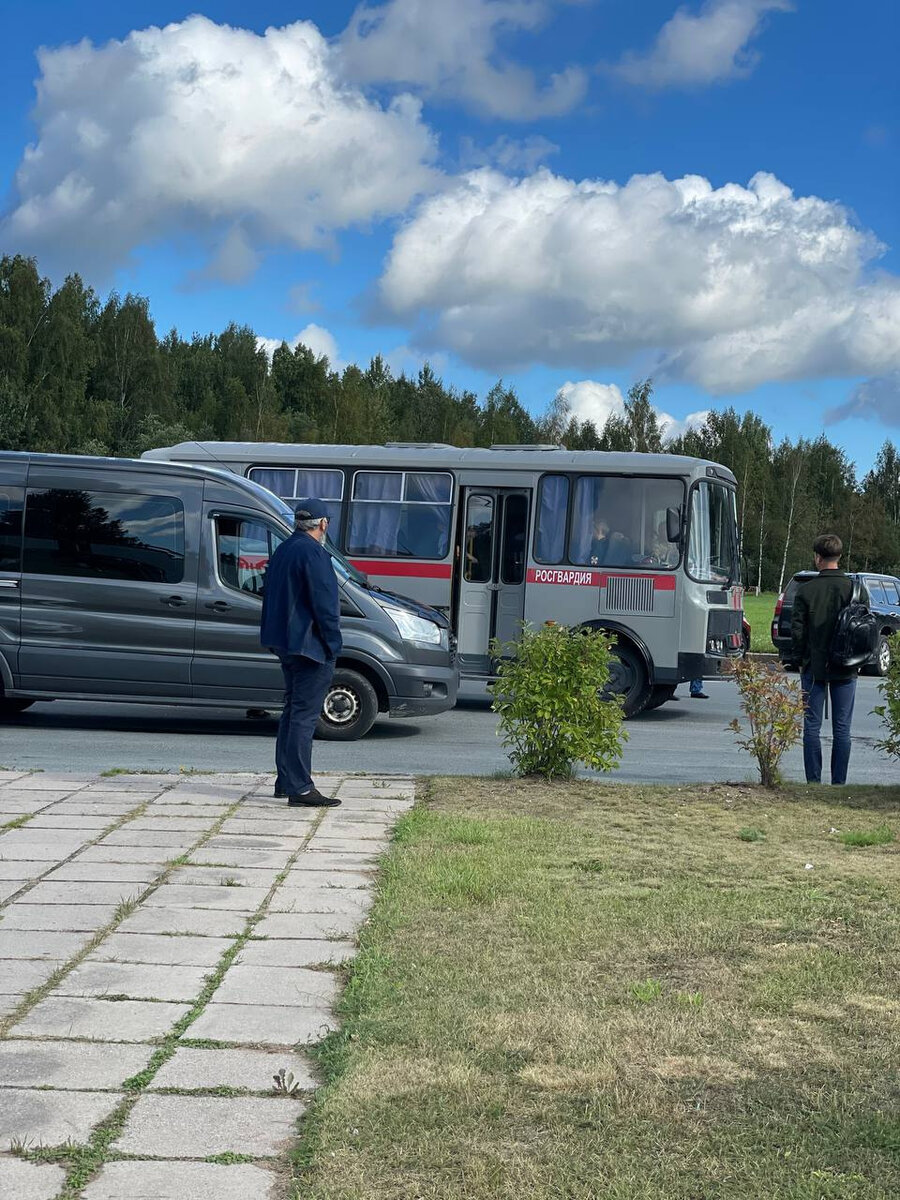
{"x":628,"y":679}
{"x":660,"y":694}
{"x":350,"y":708}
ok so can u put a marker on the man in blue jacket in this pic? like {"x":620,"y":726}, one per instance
{"x":301,"y":624}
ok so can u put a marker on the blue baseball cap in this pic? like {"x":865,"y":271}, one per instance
{"x":310,"y":508}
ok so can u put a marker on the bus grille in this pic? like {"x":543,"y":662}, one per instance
{"x":629,"y":594}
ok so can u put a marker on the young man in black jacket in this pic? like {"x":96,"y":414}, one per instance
{"x":816,"y":607}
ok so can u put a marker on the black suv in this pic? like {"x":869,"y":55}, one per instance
{"x":884,"y":601}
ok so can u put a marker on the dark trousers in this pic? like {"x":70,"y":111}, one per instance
{"x":305,"y":685}
{"x":842,"y":694}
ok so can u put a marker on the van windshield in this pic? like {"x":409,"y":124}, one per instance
{"x":343,"y":568}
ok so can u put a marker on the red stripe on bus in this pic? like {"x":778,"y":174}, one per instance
{"x":584,"y":577}
{"x":403,"y":570}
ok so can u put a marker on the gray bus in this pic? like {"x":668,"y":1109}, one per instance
{"x":643,"y":545}
{"x":137,"y":581}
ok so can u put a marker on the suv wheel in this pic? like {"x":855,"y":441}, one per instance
{"x":882,"y":659}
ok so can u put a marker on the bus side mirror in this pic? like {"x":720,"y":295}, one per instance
{"x":673,"y":525}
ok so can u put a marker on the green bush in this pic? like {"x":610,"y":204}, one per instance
{"x":773,"y":707}
{"x":890,"y":710}
{"x":548,"y":696}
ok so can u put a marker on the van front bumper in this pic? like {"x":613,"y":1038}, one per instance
{"x":421,"y":690}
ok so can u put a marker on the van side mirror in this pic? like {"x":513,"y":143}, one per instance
{"x":673,"y":525}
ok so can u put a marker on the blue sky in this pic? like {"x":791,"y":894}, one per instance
{"x":565,"y":193}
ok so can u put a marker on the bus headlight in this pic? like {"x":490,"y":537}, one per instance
{"x":415,"y":629}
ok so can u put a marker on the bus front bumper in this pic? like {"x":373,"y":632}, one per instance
{"x":704,"y":666}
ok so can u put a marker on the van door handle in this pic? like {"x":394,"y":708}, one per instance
{"x":218,"y":606}
{"x":173,"y":601}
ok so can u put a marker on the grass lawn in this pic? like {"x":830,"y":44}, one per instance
{"x":758,"y":610}
{"x":589,"y":991}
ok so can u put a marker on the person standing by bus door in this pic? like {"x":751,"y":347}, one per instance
{"x":301,"y":625}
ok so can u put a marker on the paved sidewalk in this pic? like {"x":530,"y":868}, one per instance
{"x":168,"y":943}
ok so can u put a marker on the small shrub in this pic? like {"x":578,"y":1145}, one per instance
{"x":548,"y":698}
{"x":889,"y":711}
{"x":773,"y":707}
{"x":867,"y":837}
{"x":751,"y":835}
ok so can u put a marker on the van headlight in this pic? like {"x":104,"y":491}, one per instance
{"x":415,"y":629}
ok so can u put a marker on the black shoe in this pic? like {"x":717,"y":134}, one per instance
{"x":279,"y":795}
{"x":312,"y":799}
{"x":699,"y":696}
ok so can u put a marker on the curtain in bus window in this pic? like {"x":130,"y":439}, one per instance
{"x":550,"y":543}
{"x":279,"y":482}
{"x":375,"y":513}
{"x":327,"y":486}
{"x":395,"y":516}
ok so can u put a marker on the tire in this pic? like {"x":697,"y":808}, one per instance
{"x":660,"y":694}
{"x":745,"y":643}
{"x":12,"y":708}
{"x":881,"y":660}
{"x":350,"y":708}
{"x":628,"y":679}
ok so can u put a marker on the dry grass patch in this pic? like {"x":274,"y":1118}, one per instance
{"x":590,"y":991}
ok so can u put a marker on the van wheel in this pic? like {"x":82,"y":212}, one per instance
{"x":350,"y":708}
{"x":628,"y":679}
{"x":12,"y":708}
{"x":660,"y":694}
{"x":881,"y":660}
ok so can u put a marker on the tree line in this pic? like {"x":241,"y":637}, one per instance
{"x":84,"y":376}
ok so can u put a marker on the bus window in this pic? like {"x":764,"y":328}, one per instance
{"x":712,"y":547}
{"x":293,"y":485}
{"x":399,"y":514}
{"x":515,"y":534}
{"x":479,"y":543}
{"x":615,"y":520}
{"x":550,"y":539}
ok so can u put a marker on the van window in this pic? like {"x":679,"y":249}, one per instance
{"x":10,"y":531}
{"x":104,"y":535}
{"x":400,"y":514}
{"x":243,"y":550}
{"x":293,"y":484}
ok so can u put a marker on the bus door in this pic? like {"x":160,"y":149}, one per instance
{"x":492,"y":578}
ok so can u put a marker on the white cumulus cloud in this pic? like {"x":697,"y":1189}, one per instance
{"x":315,"y":337}
{"x":726,"y":287}
{"x":449,"y":51}
{"x":205,"y":129}
{"x":589,"y":400}
{"x":701,"y":48}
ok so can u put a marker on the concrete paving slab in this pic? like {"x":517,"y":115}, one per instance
{"x":100,"y":1020}
{"x":294,"y":952}
{"x":27,"y":802}
{"x":342,"y":845}
{"x":150,"y":855}
{"x":162,"y":807}
{"x":271,"y":827}
{"x":263,"y":1024}
{"x":313,"y":859}
{"x":250,"y":1069}
{"x":9,"y":887}
{"x":177,"y":843}
{"x":61,"y":917}
{"x":261,"y":877}
{"x":19,"y":975}
{"x":307,"y":925}
{"x":18,"y":943}
{"x":246,"y":841}
{"x":197,"y":1126}
{"x":46,"y":852}
{"x":173,"y":824}
{"x":137,"y":981}
{"x":111,"y":810}
{"x":41,"y":1118}
{"x":70,"y":892}
{"x":238,"y":898}
{"x":287,"y":899}
{"x":82,"y":1065}
{"x":51,"y":820}
{"x":52,"y":783}
{"x":182,"y":1181}
{"x":78,"y":871}
{"x":10,"y":1002}
{"x":234,"y":856}
{"x":158,"y":948}
{"x":290,"y":986}
{"x":301,"y":875}
{"x":210,"y":922}
{"x":21,"y":1180}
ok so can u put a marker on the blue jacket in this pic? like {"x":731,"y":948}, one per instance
{"x":301,"y":607}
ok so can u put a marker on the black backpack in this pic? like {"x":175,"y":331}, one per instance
{"x":855,"y":633}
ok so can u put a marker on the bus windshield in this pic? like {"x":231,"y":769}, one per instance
{"x":712,"y":544}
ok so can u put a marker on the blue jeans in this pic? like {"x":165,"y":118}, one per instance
{"x":696,"y":687}
{"x":305,"y":685}
{"x":843,"y":694}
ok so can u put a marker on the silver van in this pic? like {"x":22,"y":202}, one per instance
{"x":141,"y":581}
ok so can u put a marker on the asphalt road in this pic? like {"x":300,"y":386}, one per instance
{"x":682,"y":742}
